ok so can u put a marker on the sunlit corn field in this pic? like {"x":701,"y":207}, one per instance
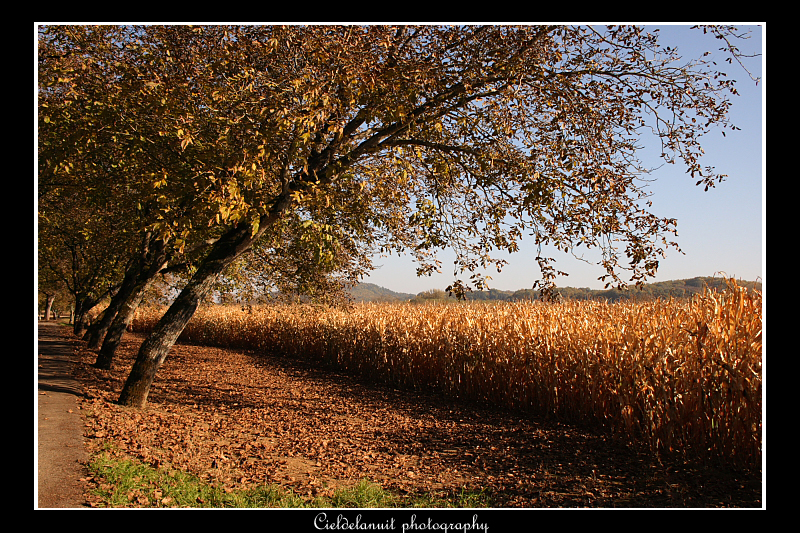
{"x":677,"y":376}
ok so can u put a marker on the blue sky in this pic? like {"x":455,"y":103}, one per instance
{"x":720,"y":230}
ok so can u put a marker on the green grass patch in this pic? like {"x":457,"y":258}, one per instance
{"x":128,"y":483}
{"x":364,"y":494}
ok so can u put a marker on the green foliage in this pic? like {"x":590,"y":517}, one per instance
{"x":432,"y":295}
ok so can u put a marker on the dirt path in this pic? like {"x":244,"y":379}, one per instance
{"x":61,"y":451}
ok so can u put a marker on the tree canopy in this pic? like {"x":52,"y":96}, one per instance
{"x":376,"y":139}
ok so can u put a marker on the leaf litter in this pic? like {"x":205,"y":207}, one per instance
{"x":240,"y":419}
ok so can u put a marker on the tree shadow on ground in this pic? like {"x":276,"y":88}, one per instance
{"x":278,"y":419}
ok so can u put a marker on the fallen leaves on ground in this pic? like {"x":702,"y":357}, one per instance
{"x":240,"y":419}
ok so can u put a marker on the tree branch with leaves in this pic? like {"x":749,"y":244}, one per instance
{"x":392,"y":138}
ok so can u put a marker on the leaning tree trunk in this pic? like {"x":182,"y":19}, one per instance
{"x":142,"y":270}
{"x":94,"y":333}
{"x":117,"y":329}
{"x":155,"y":348}
{"x":137,"y":279}
{"x":79,"y":315}
{"x":83,"y":304}
{"x":97,"y":330}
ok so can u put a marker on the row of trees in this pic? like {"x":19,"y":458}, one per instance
{"x":685,"y":288}
{"x":287,"y":156}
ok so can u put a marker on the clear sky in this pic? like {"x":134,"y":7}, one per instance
{"x":719,"y":231}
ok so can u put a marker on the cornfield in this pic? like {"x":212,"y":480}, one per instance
{"x":681,"y":377}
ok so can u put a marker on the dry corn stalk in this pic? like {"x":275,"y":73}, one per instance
{"x":678,"y":376}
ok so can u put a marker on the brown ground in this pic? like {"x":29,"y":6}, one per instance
{"x":242,"y":419}
{"x":61,"y":449}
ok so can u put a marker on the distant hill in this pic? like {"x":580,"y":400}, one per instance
{"x":684,"y":288}
{"x":369,"y":292}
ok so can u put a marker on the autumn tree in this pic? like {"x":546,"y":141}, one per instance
{"x":51,"y":291}
{"x":102,"y":153}
{"x":395,"y":138}
{"x":70,"y":238}
{"x":307,"y":259}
